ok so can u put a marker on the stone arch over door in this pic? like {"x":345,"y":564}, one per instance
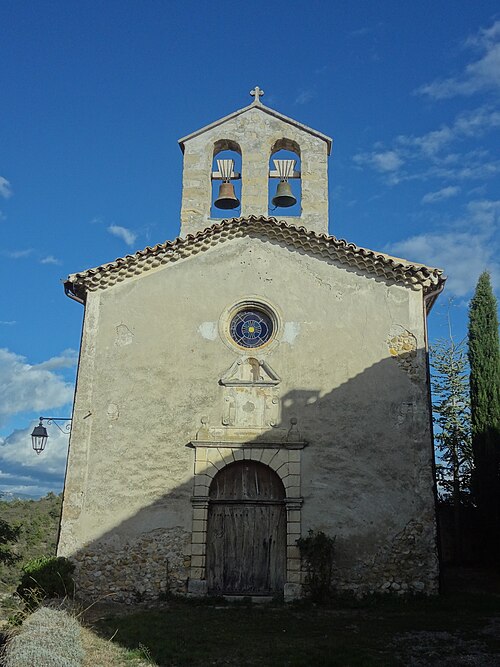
{"x":211,"y":457}
{"x":246,"y":531}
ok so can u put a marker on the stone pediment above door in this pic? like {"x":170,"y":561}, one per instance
{"x":250,"y":396}
{"x":250,"y":372}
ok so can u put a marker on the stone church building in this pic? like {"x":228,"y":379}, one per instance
{"x":249,"y":381}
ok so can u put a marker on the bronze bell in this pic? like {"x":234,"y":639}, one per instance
{"x":227,"y":198}
{"x":284,"y":196}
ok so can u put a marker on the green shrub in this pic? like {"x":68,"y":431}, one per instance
{"x":317,"y":551}
{"x":46,"y":577}
{"x":31,"y":542}
{"x":48,"y":638}
{"x":8,"y":535}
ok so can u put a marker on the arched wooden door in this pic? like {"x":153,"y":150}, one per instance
{"x":246,"y":532}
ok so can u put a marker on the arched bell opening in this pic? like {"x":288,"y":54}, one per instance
{"x":246,"y":531}
{"x":226,"y":180}
{"x":285,"y":191}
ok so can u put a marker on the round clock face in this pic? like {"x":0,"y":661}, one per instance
{"x":251,"y":328}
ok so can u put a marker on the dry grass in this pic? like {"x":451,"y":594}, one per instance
{"x":104,"y":653}
{"x":98,"y":651}
{"x":47,"y":638}
{"x":101,"y":650}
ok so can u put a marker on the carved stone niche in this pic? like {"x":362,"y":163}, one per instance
{"x":250,"y":395}
{"x":250,"y":372}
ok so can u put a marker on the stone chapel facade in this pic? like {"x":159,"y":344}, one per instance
{"x":249,"y":381}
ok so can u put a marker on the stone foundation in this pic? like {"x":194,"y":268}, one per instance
{"x":406,"y":564}
{"x":157,"y":564}
{"x":147,"y":568}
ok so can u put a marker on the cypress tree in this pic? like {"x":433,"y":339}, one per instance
{"x":484,"y":362}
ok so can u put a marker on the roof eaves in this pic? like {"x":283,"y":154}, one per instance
{"x":431,"y":280}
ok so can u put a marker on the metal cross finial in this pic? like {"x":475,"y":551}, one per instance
{"x":256,"y":93}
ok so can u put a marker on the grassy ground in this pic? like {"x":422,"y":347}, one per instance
{"x":457,"y":629}
{"x":454,"y":630}
{"x":100,"y":652}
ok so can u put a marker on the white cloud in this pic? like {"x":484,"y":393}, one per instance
{"x":25,"y":471}
{"x":304,"y":97}
{"x":5,"y":188}
{"x":67,"y":359}
{"x":428,"y":144}
{"x":444,"y":193}
{"x":18,"y":254}
{"x":443,"y":152}
{"x":123,"y":233}
{"x":429,"y":156}
{"x":366,"y":30}
{"x":485,"y":36}
{"x":471,"y":166}
{"x":463,"y":249}
{"x":50,"y":259}
{"x":388,"y":161}
{"x":8,"y":323}
{"x":17,"y":449}
{"x":474,"y":123}
{"x":481,"y":74}
{"x":25,"y":387}
{"x":383,"y":162}
{"x":10,"y":476}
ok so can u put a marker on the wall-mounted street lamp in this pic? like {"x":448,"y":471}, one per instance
{"x":39,"y":435}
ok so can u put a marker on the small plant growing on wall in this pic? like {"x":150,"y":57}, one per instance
{"x":317,"y":551}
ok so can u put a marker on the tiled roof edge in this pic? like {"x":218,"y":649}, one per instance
{"x":383,"y":265}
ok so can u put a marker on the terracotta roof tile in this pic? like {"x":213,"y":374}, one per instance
{"x":394,"y":269}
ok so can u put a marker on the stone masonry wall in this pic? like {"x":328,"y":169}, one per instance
{"x":153,"y":565}
{"x":157,"y":564}
{"x":403,"y":565}
{"x":256,"y":133}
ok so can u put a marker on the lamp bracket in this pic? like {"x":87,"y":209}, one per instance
{"x":53,"y":420}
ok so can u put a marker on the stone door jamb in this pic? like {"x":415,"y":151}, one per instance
{"x":285,"y":460}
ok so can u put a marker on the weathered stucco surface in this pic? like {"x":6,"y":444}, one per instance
{"x":256,"y":133}
{"x":350,"y":358}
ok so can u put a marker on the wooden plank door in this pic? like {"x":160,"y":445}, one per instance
{"x":246,"y":532}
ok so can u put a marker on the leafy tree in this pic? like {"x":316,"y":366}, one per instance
{"x":8,"y":535}
{"x":484,"y":361}
{"x":38,"y":521}
{"x":451,"y":415}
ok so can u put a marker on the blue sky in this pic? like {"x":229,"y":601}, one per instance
{"x":94,"y":96}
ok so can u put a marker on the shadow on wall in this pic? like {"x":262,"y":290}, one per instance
{"x":365,"y":474}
